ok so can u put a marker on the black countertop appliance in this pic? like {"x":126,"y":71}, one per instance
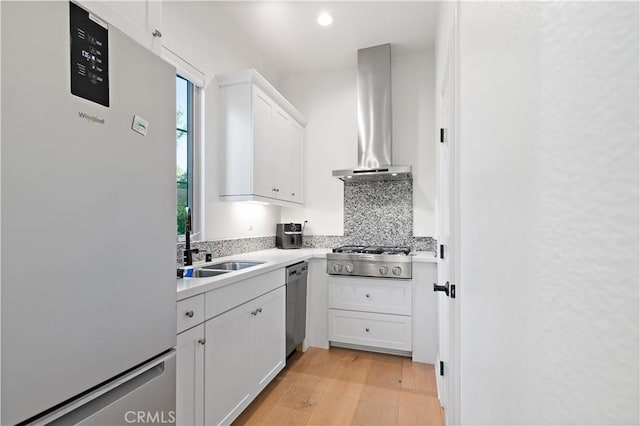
{"x":289,"y":235}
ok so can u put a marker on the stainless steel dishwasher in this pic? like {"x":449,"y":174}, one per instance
{"x":296,"y":304}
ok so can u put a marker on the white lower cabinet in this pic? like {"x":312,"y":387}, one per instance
{"x":245,"y":349}
{"x":231,"y":345}
{"x":190,"y":377}
{"x":370,"y":312}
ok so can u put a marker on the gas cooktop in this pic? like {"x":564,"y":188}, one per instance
{"x":370,"y":261}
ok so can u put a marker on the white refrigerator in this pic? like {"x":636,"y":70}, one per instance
{"x":88,"y":202}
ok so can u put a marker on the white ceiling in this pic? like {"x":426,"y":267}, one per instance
{"x":289,"y":37}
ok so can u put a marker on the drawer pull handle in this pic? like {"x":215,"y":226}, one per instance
{"x":366,"y":329}
{"x":189,"y":314}
{"x":368,"y":296}
{"x":202,"y":341}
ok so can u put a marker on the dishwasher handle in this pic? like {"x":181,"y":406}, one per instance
{"x":297,"y":271}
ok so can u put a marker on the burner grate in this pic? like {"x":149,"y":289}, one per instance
{"x":392,"y":250}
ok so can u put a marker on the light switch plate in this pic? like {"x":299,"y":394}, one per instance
{"x":140,"y":125}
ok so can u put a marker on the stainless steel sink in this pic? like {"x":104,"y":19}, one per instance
{"x":232,"y":266}
{"x":203,"y":273}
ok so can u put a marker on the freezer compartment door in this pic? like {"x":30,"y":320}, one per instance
{"x":146,"y":395}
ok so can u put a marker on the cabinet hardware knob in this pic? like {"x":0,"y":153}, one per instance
{"x":202,"y":341}
{"x":259,"y":310}
{"x":189,"y":314}
{"x":368,"y":296}
{"x":293,"y":194}
{"x":157,"y":33}
{"x":366,"y":329}
{"x":254,"y":313}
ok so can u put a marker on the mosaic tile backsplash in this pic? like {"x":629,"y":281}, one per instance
{"x":221,"y":248}
{"x":379,"y":213}
{"x":331,"y":241}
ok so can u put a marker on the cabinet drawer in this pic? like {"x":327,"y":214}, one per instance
{"x":368,"y":329}
{"x":228,"y":297}
{"x":370,"y":295}
{"x":190,"y":312}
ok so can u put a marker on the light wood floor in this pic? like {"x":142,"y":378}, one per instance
{"x":344,"y":387}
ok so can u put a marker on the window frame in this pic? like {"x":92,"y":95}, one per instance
{"x":196,"y":77}
{"x":194,"y":124}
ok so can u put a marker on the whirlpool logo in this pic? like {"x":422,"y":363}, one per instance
{"x":91,"y":118}
{"x":150,"y":417}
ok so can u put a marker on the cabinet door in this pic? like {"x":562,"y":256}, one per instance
{"x":228,"y":365}
{"x":280,"y":145}
{"x":269,"y":334}
{"x":138,"y":19}
{"x":262,"y":146}
{"x":294,"y":164}
{"x":190,"y":377}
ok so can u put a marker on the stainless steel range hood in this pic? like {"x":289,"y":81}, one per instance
{"x":374,"y":120}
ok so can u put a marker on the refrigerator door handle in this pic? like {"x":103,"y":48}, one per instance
{"x":79,"y":409}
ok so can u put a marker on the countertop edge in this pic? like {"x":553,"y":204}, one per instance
{"x":273,"y":258}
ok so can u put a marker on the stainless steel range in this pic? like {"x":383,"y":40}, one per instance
{"x":370,"y":261}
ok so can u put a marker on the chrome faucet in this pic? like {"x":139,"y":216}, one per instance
{"x":188,"y":251}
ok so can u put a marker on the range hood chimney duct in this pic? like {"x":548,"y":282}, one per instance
{"x":374,"y":120}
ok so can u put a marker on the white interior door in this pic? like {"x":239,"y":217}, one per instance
{"x":446,"y":306}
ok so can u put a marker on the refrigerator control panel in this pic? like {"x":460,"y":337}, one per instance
{"x":89,"y":56}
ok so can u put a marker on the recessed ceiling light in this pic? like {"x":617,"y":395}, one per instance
{"x":325,"y":19}
{"x":394,"y":174}
{"x":349,"y":177}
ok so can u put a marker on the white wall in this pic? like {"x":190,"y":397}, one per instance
{"x":197,"y":32}
{"x":329,"y":101}
{"x":548,"y":226}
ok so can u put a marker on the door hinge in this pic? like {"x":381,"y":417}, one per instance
{"x":443,"y":135}
{"x":441,"y":251}
{"x":453,"y":291}
{"x":442,"y":368}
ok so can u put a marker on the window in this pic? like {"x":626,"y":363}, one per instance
{"x":186,"y":153}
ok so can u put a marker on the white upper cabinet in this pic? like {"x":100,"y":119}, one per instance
{"x":294,"y":164}
{"x":263,"y":136}
{"x":139,"y":19}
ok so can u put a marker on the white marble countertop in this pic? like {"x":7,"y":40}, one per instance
{"x":272,"y":258}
